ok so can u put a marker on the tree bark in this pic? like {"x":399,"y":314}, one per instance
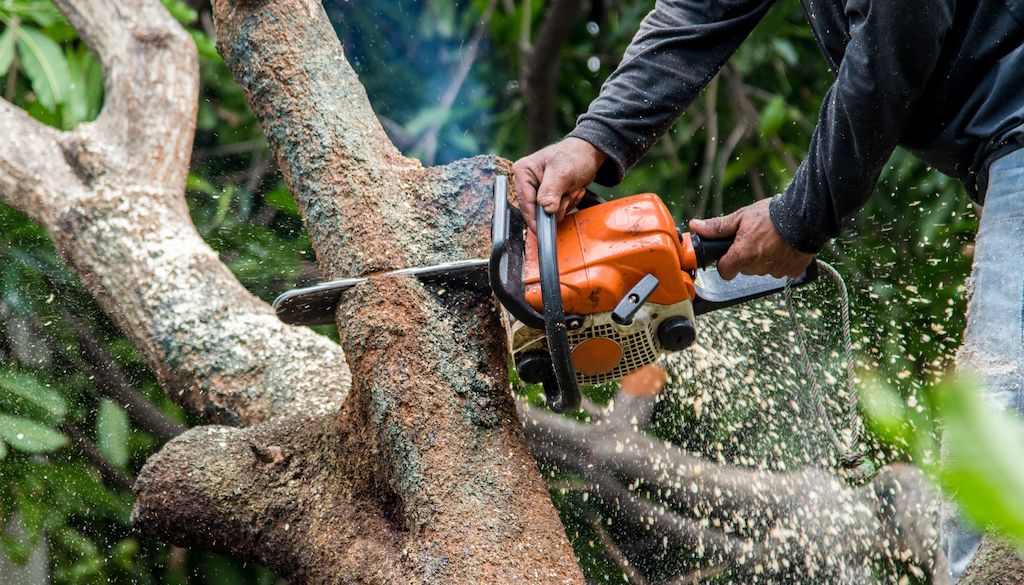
{"x":996,"y":563}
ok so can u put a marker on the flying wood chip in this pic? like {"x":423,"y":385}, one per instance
{"x":644,"y":381}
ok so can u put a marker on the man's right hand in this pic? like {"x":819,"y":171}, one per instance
{"x":556,"y":177}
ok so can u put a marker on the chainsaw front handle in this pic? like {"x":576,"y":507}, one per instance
{"x":505,"y":270}
{"x":505,"y":267}
{"x":563,"y":392}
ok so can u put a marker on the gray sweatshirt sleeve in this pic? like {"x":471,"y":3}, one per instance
{"x":893,"y":49}
{"x":680,"y":46}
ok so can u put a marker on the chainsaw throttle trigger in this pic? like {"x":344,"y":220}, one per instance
{"x":709,"y":251}
{"x":563,"y":392}
{"x":634,"y":299}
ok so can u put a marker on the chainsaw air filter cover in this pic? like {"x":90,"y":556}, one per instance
{"x":605,"y":250}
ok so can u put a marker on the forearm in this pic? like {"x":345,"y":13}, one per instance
{"x":890,"y":58}
{"x":678,"y":49}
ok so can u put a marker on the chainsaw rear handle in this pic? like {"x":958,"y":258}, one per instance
{"x":710,"y":250}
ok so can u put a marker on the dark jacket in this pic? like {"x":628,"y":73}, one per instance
{"x":942,"y":78}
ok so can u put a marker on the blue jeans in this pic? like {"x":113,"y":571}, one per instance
{"x":993,"y":346}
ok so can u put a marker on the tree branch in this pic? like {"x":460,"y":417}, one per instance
{"x":540,"y":77}
{"x":806,"y":518}
{"x":281,"y":494}
{"x":29,"y":181}
{"x":111,"y":195}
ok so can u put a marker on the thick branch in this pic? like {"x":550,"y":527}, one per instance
{"x":29,"y":180}
{"x":806,"y":518}
{"x":280,"y":494}
{"x":111,"y":194}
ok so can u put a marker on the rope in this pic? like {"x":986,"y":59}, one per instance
{"x":851,"y":460}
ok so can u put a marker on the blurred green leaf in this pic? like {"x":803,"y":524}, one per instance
{"x":786,"y":50}
{"x":984,"y":466}
{"x":739,"y":166}
{"x":181,"y":11}
{"x":22,"y":394}
{"x":3,"y":450}
{"x":45,"y":14}
{"x":33,"y":508}
{"x":883,"y":410}
{"x":282,"y":199}
{"x":44,"y":65}
{"x":7,"y":41}
{"x":112,"y":430}
{"x":30,"y":436}
{"x":773,"y":116}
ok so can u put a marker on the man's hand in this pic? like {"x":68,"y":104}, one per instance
{"x":556,"y":177}
{"x":758,"y":248}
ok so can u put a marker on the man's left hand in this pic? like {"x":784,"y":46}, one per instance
{"x":758,"y":249}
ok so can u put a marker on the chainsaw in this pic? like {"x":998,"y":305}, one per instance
{"x":609,"y":289}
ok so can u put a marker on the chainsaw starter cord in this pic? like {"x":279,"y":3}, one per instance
{"x":851,"y":459}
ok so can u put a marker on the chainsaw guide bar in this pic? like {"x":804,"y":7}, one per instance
{"x":316,"y":305}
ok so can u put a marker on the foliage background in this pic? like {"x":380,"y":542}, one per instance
{"x":905,"y":257}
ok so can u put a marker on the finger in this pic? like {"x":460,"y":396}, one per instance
{"x":526,"y":186}
{"x":575,"y":197}
{"x":728,"y":266}
{"x":563,"y":208}
{"x":716,"y":227}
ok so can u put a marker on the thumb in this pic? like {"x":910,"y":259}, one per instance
{"x":716,"y":227}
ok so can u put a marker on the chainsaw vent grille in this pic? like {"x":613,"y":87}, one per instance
{"x":638,"y":349}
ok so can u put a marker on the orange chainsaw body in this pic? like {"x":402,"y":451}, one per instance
{"x":605,"y":250}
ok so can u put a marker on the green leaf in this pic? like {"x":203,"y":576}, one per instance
{"x":785,"y":50}
{"x":426,"y":118}
{"x":181,"y":11}
{"x":195,"y":182}
{"x":984,"y":466}
{"x":112,"y":430}
{"x":24,"y":395}
{"x":883,"y":411}
{"x":45,"y":14}
{"x":76,"y":106}
{"x":773,"y":116}
{"x":738,"y":167}
{"x":29,"y":436}
{"x":3,"y":450}
{"x":7,"y":39}
{"x":282,"y":199}
{"x":45,"y":66}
